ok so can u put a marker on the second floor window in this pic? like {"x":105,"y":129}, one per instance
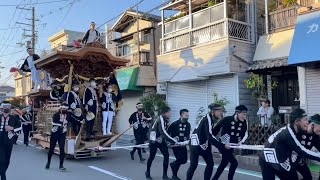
{"x":126,"y":50}
{"x":18,"y":84}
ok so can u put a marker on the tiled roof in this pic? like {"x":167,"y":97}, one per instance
{"x":267,"y":64}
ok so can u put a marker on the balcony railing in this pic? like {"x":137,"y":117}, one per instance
{"x":208,"y":25}
{"x":225,"y":28}
{"x":307,"y":3}
{"x":284,"y":18}
{"x":134,"y":59}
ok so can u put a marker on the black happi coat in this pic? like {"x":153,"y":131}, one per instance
{"x":159,"y":134}
{"x":73,"y":100}
{"x":140,"y":126}
{"x":109,"y":104}
{"x":90,"y":99}
{"x":180,"y":130}
{"x":202,"y":135}
{"x":283,"y":148}
{"x":232,"y":130}
{"x":59,"y":123}
{"x":35,"y":57}
{"x":7,"y":140}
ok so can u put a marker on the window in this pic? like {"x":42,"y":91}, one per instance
{"x":18,"y":83}
{"x":237,"y":10}
{"x":126,"y":50}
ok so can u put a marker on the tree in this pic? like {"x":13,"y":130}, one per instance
{"x":258,"y":87}
{"x":153,"y":104}
{"x":222,"y":102}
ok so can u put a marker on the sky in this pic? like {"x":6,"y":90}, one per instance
{"x":53,"y":17}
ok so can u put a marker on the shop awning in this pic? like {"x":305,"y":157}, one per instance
{"x":127,"y":78}
{"x":274,"y":46}
{"x":305,"y":44}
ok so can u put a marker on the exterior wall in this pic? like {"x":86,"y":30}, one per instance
{"x":241,"y":55}
{"x":64,"y":37}
{"x":245,"y":95}
{"x":207,"y":59}
{"x":23,"y":85}
{"x":132,"y":27}
{"x":60,"y":41}
{"x":130,"y":98}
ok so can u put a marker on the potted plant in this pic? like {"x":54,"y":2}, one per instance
{"x":221,"y":101}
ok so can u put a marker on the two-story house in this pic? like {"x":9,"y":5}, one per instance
{"x":23,"y":86}
{"x":273,"y":51}
{"x":64,"y":38}
{"x":137,"y":40}
{"x":207,"y":49}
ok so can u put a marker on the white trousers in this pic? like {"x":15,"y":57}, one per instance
{"x":107,"y":118}
{"x":35,"y":76}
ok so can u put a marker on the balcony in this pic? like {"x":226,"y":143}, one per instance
{"x":283,"y":19}
{"x":208,"y":25}
{"x":134,"y":59}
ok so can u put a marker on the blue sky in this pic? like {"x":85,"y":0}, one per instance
{"x":53,"y":18}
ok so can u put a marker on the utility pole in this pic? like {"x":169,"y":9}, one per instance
{"x":138,"y":36}
{"x":33,"y":38}
{"x":33,"y":35}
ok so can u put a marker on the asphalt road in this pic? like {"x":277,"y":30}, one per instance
{"x":28,"y":163}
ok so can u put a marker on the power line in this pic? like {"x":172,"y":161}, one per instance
{"x":67,"y":12}
{"x":38,"y":3}
{"x":12,"y":53}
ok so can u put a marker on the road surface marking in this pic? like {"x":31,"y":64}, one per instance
{"x":109,"y":173}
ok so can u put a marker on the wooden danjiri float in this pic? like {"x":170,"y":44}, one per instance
{"x":80,"y":64}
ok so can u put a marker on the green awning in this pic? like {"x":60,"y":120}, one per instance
{"x":127,"y":78}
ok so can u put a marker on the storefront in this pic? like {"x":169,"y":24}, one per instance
{"x":305,"y":54}
{"x":271,"y":62}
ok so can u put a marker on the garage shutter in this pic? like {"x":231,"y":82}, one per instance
{"x":313,"y":91}
{"x":224,"y":86}
{"x":190,"y":95}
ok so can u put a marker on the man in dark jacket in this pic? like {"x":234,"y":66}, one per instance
{"x":9,"y":126}
{"x":58,"y":134}
{"x":139,"y":120}
{"x":158,"y":140}
{"x":234,"y":129}
{"x":201,"y":140}
{"x":29,"y":66}
{"x":281,"y":152}
{"x":180,"y":130}
{"x":309,"y":139}
{"x":26,"y":120}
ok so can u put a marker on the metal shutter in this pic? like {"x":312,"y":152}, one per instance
{"x":189,"y":95}
{"x":313,"y":91}
{"x":225,"y":87}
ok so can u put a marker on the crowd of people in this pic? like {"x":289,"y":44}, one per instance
{"x":284,"y":154}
